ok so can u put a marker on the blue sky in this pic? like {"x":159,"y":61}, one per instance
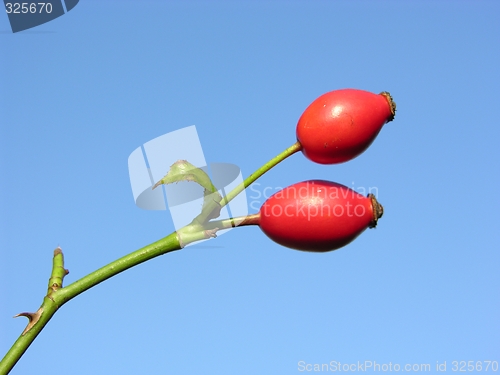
{"x":80,"y":93}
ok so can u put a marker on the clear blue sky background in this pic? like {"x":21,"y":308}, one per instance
{"x":80,"y":93}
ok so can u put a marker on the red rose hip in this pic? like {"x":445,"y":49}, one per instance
{"x":341,"y":124}
{"x":317,"y":215}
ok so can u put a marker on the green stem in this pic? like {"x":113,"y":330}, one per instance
{"x":209,"y":208}
{"x":38,"y":319}
{"x":259,"y":172}
{"x":233,"y":222}
{"x":57,"y":295}
{"x":160,"y":247}
{"x":36,"y":323}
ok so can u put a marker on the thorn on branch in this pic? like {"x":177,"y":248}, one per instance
{"x":32,"y":317}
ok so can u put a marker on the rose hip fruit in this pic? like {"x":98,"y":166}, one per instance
{"x":341,"y":124}
{"x":317,"y":215}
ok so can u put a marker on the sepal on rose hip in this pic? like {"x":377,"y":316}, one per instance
{"x":378,"y":210}
{"x":392,"y":104}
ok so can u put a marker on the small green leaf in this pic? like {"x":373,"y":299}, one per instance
{"x":182,"y":170}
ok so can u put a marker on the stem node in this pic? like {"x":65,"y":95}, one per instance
{"x":211,"y":233}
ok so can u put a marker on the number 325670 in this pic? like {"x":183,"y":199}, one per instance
{"x":23,"y":8}
{"x":470,"y":366}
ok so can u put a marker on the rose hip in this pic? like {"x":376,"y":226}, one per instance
{"x":317,"y":215}
{"x":341,"y":124}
